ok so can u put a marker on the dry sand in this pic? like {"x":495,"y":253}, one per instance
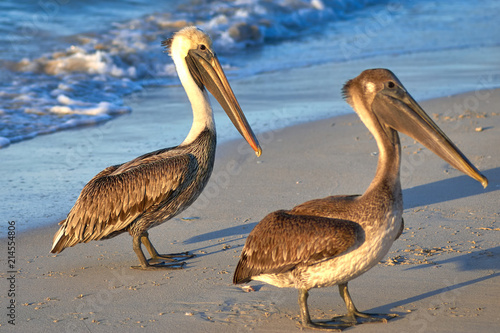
{"x":442,"y":275}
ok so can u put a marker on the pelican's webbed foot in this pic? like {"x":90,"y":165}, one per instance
{"x":340,"y":323}
{"x":318,"y":325}
{"x":324,"y":326}
{"x":159,"y":266}
{"x":171,"y":257}
{"x":355,"y":317}
{"x":157,"y":261}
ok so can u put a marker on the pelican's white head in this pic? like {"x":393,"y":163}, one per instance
{"x":178,"y":47}
{"x":198,"y":68}
{"x":186,"y":39}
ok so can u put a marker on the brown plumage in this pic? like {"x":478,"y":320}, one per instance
{"x":138,"y":195}
{"x":130,"y":197}
{"x":151,"y":189}
{"x":277,"y":256}
{"x":330,"y":241}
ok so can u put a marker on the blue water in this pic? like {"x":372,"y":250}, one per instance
{"x":69,"y":63}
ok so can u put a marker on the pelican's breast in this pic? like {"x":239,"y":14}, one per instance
{"x":346,"y":266}
{"x":352,"y":264}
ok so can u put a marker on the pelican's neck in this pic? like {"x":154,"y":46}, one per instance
{"x":389,"y":160}
{"x":200,"y":103}
{"x":202,"y":115}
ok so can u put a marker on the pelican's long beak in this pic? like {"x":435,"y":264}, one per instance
{"x":207,"y":71}
{"x":400,"y":111}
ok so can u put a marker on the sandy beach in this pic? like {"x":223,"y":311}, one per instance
{"x":442,"y":275}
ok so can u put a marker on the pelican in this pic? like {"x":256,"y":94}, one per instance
{"x":330,"y":241}
{"x":151,"y":189}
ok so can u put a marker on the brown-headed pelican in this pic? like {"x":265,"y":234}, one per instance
{"x":331,"y":241}
{"x":145,"y":192}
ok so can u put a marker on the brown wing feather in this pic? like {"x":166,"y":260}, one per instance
{"x":282,"y":241}
{"x":337,"y":206}
{"x":112,"y":200}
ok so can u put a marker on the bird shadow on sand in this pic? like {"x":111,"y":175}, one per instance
{"x":450,"y":189}
{"x":486,"y":261}
{"x":433,"y":293}
{"x":225,"y":236}
{"x":222,"y":233}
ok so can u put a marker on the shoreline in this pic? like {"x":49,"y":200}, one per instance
{"x":442,"y":273}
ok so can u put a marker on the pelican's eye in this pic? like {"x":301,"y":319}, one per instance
{"x":391,"y":84}
{"x":202,"y":47}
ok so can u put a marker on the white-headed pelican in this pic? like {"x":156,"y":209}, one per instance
{"x":151,"y":189}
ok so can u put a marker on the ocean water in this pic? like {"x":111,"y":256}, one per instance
{"x":70,"y":63}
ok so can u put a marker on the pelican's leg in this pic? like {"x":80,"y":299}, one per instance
{"x":145,"y":265}
{"x":306,"y":318}
{"x":162,"y":257}
{"x":353,"y":313}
